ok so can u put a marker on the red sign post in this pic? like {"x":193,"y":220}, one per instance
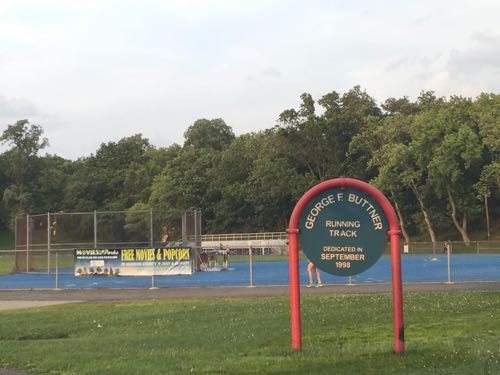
{"x":393,"y":233}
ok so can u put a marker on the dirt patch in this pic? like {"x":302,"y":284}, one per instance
{"x":23,"y":304}
{"x":108,"y":294}
{"x":4,"y":371}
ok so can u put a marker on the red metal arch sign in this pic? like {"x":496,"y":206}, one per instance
{"x":343,"y":225}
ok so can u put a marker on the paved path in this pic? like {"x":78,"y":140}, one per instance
{"x":4,"y":371}
{"x":39,"y":296}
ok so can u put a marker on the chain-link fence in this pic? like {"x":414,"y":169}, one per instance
{"x":455,"y":247}
{"x":39,"y":236}
{"x":46,"y":243}
{"x":250,"y":268}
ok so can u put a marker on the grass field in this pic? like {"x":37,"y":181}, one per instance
{"x":7,"y":263}
{"x":7,"y":260}
{"x":446,"y":333}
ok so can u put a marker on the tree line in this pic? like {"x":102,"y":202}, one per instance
{"x":436,"y":158}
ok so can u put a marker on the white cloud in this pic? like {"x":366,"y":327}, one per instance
{"x":106,"y":69}
{"x":483,"y":56}
{"x":16,"y":108}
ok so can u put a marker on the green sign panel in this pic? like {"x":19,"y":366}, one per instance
{"x":343,"y":231}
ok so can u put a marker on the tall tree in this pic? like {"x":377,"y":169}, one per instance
{"x":52,"y":179}
{"x":21,"y":165}
{"x":27,"y":139}
{"x":274,"y":185}
{"x":215,"y":134}
{"x":234,"y":210}
{"x":303,"y":138}
{"x":486,"y":112}
{"x":319,"y":144}
{"x":115,"y":178}
{"x":388,"y":145}
{"x":185,"y":183}
{"x":453,"y":152}
{"x":404,"y":106}
{"x":4,"y":183}
{"x":385,"y":147}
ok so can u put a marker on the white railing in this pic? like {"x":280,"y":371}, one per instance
{"x":244,"y":236}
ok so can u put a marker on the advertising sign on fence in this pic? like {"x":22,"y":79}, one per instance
{"x":133,"y":262}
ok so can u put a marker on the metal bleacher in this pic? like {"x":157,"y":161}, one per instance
{"x":277,"y":241}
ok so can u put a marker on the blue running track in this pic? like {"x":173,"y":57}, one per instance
{"x":415,"y":268}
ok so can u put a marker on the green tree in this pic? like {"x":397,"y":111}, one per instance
{"x":234,"y":210}
{"x":452,"y":151}
{"x":215,"y":134}
{"x":427,"y":100}
{"x":27,"y":139}
{"x":387,"y":142}
{"x":404,"y":106}
{"x":185,"y":183}
{"x":486,"y":112}
{"x":303,"y":139}
{"x":318,"y":144}
{"x":21,"y":165}
{"x":275,"y":184}
{"x":52,"y":179}
{"x":386,"y":148}
{"x":115,"y":178}
{"x":4,"y":183}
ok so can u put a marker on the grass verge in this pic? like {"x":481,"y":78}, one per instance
{"x":446,"y":333}
{"x":7,"y":262}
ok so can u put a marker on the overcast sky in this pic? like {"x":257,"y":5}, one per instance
{"x":92,"y":72}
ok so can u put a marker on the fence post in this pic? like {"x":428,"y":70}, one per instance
{"x":151,"y":243}
{"x":151,"y":240}
{"x":95,"y":229}
{"x":250,"y":260}
{"x":448,"y":258}
{"x":27,"y":242}
{"x":57,"y":270}
{"x":434,"y":251}
{"x":153,"y":285}
{"x":48,"y":243}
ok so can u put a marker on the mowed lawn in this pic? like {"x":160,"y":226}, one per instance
{"x":446,"y":333}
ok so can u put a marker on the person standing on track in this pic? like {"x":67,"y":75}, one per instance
{"x":310,"y":268}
